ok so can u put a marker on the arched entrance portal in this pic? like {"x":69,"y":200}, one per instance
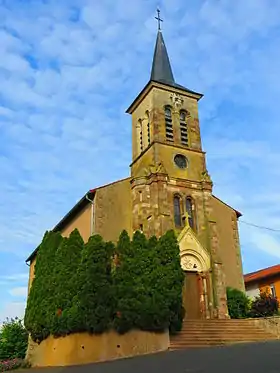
{"x":197,"y":289}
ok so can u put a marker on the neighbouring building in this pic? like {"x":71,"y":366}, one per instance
{"x":264,"y":280}
{"x":169,"y":187}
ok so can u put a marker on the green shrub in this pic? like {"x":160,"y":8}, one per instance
{"x":95,"y":286}
{"x":40,"y":303}
{"x":148,"y":283}
{"x":264,"y":305}
{"x":93,"y":305}
{"x":13,"y":340}
{"x":65,"y":279}
{"x":171,"y":278}
{"x":123,"y":284}
{"x":238,"y":303}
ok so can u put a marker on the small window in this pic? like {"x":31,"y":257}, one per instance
{"x":272,"y":290}
{"x":190,"y":211}
{"x":184,"y":128}
{"x":177,"y":211}
{"x":168,"y":124}
{"x":181,"y":161}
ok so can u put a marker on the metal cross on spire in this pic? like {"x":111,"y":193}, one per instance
{"x":158,"y":19}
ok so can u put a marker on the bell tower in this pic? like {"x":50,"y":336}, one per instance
{"x":169,"y":178}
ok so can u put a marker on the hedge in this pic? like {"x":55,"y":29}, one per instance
{"x":95,"y":286}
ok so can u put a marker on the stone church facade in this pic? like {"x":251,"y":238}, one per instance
{"x":169,"y":188}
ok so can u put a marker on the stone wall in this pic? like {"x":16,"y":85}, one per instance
{"x":269,"y":324}
{"x":84,"y":348}
{"x":112,"y":210}
{"x":229,"y":247}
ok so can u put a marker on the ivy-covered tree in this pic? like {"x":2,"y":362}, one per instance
{"x":66,"y":265}
{"x":172,"y":278}
{"x":39,"y":308}
{"x":92,"y":306}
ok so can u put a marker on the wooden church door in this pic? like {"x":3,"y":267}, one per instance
{"x":192,"y":295}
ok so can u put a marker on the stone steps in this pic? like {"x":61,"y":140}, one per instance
{"x":203,"y":333}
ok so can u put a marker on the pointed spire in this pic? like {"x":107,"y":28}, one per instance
{"x":161,"y":69}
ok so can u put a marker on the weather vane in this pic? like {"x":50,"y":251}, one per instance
{"x":158,"y":19}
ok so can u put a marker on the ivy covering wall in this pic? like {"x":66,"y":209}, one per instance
{"x":96,"y":286}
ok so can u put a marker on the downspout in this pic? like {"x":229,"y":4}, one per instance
{"x":91,"y":214}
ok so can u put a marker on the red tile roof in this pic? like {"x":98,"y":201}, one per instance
{"x":262,"y":274}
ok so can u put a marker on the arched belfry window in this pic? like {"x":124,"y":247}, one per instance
{"x":184,"y":128}
{"x":177,"y":211}
{"x":190,"y":209}
{"x":148,"y":128}
{"x":168,"y":123}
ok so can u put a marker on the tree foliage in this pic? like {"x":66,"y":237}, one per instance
{"x":238,"y":303}
{"x":66,"y":265}
{"x":94,"y":299}
{"x":264,"y":305}
{"x":95,"y":286}
{"x":124,"y":290}
{"x":172,"y":278}
{"x":39,"y":310}
{"x":148,"y":283}
{"x":13,"y":340}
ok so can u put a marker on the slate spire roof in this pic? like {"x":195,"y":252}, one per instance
{"x":161,"y":68}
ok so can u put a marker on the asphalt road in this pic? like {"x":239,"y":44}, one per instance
{"x":247,"y":358}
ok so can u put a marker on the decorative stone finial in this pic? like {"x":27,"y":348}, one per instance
{"x":206,"y":176}
{"x":186,"y":219}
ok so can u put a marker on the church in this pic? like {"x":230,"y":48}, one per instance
{"x":169,"y":187}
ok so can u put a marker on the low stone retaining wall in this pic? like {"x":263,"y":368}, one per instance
{"x":269,"y":324}
{"x":84,"y":348}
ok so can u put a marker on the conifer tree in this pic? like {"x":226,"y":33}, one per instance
{"x":140,"y":301}
{"x":66,"y":265}
{"x":141,"y":269}
{"x":123,"y":285}
{"x":172,"y":275}
{"x":40,"y":301}
{"x":92,"y":306}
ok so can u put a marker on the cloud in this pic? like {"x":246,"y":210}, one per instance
{"x":12,"y":310}
{"x":69,"y":70}
{"x":19,"y":292}
{"x":14,"y":277}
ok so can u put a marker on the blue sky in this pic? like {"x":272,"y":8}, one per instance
{"x":70,"y":68}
